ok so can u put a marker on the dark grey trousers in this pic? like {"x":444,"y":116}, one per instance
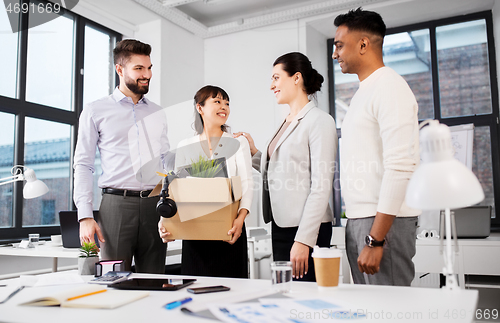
{"x":130,"y":227}
{"x":396,"y":267}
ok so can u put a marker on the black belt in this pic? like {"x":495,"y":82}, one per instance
{"x":115,"y":191}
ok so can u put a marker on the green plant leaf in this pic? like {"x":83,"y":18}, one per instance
{"x":204,"y":167}
{"x":89,"y":249}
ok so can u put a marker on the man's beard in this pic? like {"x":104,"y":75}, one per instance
{"x":133,"y":85}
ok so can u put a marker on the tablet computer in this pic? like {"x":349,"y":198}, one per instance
{"x":153,"y":283}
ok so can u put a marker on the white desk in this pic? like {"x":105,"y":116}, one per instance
{"x":49,"y":250}
{"x":378,"y":302}
{"x":475,"y":256}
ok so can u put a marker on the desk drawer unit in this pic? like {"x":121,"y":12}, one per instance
{"x":481,"y":260}
{"x":428,"y":259}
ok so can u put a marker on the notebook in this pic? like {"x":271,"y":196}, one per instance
{"x":70,"y":228}
{"x":88,"y":296}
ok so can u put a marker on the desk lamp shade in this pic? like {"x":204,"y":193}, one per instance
{"x":33,"y":187}
{"x":441,"y":181}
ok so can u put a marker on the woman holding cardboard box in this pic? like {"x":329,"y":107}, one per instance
{"x":216,"y":258}
{"x":297,"y":167}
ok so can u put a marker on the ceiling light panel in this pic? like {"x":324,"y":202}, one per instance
{"x":175,"y":3}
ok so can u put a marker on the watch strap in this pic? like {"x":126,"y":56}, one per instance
{"x":371,"y":242}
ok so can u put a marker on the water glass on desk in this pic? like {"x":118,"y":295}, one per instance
{"x":281,"y":276}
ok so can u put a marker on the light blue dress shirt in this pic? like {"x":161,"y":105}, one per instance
{"x":132,"y":141}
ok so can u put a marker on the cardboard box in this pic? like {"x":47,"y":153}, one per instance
{"x":206,"y":207}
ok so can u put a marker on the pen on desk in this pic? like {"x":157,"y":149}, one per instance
{"x":85,"y":295}
{"x":12,"y":294}
{"x":172,"y":305}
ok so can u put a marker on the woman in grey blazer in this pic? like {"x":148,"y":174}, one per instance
{"x":297,"y":167}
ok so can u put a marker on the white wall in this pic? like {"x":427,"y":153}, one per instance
{"x":150,"y":33}
{"x":178,"y":67}
{"x":182,"y":76}
{"x":241,"y":63}
{"x":177,"y":58}
{"x":182,"y":70}
{"x":317,"y":52}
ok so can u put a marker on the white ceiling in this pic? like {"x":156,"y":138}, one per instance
{"x":209,"y":18}
{"x":126,"y":11}
{"x":225,"y":11}
{"x":400,"y":13}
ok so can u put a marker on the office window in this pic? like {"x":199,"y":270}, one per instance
{"x":409,"y":54}
{"x":448,"y":64}
{"x":98,"y":68}
{"x":6,"y":163}
{"x":482,"y":164}
{"x":43,"y":109}
{"x":49,"y":212}
{"x":50,"y":63}
{"x":47,"y":152}
{"x":464,"y":73}
{"x":8,"y":58}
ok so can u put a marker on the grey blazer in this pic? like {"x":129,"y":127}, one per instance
{"x":299,"y":174}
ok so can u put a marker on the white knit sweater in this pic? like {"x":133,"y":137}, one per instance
{"x":379,"y":147}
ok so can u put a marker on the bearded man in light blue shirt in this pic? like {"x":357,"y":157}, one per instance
{"x":131,"y":134}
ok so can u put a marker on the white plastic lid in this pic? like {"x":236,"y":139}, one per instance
{"x":319,"y":252}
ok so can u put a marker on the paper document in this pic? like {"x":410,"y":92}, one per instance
{"x":51,"y":279}
{"x":286,"y":310}
{"x":6,"y":291}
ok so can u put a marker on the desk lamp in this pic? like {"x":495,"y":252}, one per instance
{"x":33,"y":187}
{"x":442,"y":182}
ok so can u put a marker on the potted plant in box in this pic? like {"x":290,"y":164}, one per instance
{"x":88,"y":258}
{"x":204,"y":168}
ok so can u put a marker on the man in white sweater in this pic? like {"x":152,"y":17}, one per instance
{"x":379,"y":154}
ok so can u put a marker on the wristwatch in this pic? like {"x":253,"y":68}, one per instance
{"x":370,"y":242}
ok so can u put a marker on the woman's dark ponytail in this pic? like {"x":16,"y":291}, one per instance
{"x":297,"y":62}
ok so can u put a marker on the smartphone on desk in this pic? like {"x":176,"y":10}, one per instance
{"x":208,"y":289}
